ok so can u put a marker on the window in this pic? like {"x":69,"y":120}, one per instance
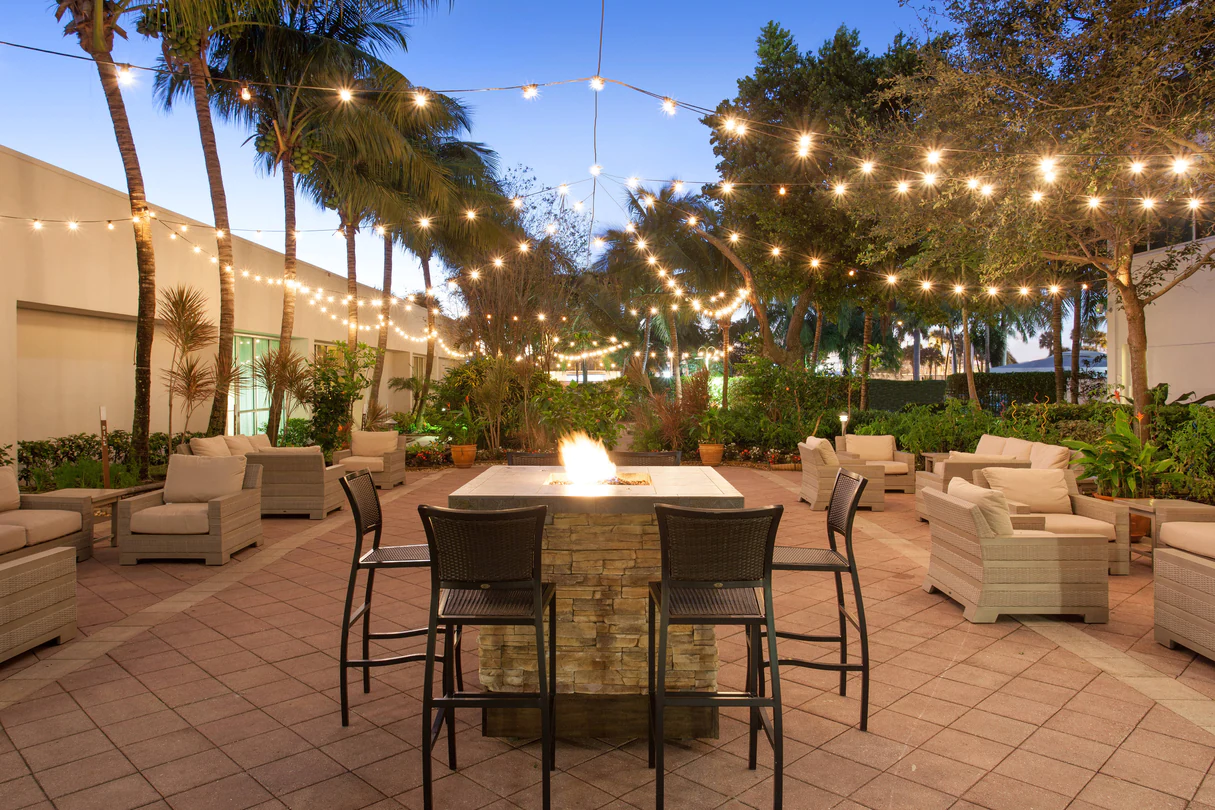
{"x":419,"y":365}
{"x":249,"y":403}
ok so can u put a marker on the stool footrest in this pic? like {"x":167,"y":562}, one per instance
{"x":421,"y":631}
{"x":715,"y":699}
{"x":487,"y":700}
{"x":359,"y":663}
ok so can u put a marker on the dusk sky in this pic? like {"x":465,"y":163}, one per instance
{"x":693,"y":52}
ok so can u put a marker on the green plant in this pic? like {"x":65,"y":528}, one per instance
{"x":337,"y":378}
{"x":462,"y":426}
{"x":711,"y":428}
{"x":297,"y":432}
{"x":1123,"y":464}
{"x":6,"y":455}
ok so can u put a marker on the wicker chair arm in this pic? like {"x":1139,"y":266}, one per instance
{"x":1107,"y":511}
{"x":338,"y":455}
{"x":334,"y":472}
{"x":1018,"y":508}
{"x":1032,"y":522}
{"x":65,"y":503}
{"x":810,"y":456}
{"x":906,"y":458}
{"x":1188,"y":512}
{"x":875,"y":474}
{"x":130,"y":506}
{"x":395,"y":458}
{"x":231,"y":504}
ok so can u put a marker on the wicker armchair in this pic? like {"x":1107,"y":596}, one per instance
{"x":939,"y":477}
{"x":298,"y":483}
{"x":232,"y":522}
{"x":382,"y":453}
{"x":1184,"y":569}
{"x":819,"y":467}
{"x":882,"y":451}
{"x":1089,"y":515}
{"x":46,"y":521}
{"x":1032,"y":572}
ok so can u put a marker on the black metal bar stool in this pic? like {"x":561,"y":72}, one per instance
{"x":636,"y":458}
{"x":841,"y":512}
{"x":485,"y":570}
{"x":713,"y":560}
{"x":514,"y":459}
{"x":365,"y":506}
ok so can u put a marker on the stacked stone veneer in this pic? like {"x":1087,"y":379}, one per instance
{"x":602,"y":566}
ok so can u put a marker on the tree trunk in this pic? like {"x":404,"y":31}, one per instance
{"x":1077,"y":337}
{"x":218,"y":422}
{"x":1136,"y":343}
{"x":419,"y":405}
{"x":770,"y":349}
{"x":971,"y":390}
{"x":818,"y":336}
{"x":953,"y":351}
{"x":645,"y":355}
{"x":1056,"y":345}
{"x":987,"y":346}
{"x":915,"y":354}
{"x":724,"y":324}
{"x":675,"y":364}
{"x":382,"y":344}
{"x":866,"y":338}
{"x":795,"y":355}
{"x":349,"y":227}
{"x":287,"y":329}
{"x":145,"y":260}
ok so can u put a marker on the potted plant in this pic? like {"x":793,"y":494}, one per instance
{"x":1124,"y":465}
{"x":712,"y":433}
{"x":462,"y":431}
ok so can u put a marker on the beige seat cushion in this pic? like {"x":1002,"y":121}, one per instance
{"x":892,"y":467}
{"x":10,"y":493}
{"x":372,"y":443}
{"x":238,"y":445}
{"x":375,"y":464}
{"x":958,"y":455}
{"x":43,"y":524}
{"x":1077,"y":524}
{"x":1043,"y":491}
{"x":1196,"y":538}
{"x":1017,"y":448}
{"x":1049,"y":457}
{"x":992,"y":504}
{"x":990,"y":445}
{"x":260,"y":441}
{"x":191,"y":479}
{"x":870,"y":448}
{"x":172,"y":518}
{"x":210,"y":447}
{"x":11,"y":538}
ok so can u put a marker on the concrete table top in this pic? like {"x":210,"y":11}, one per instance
{"x":505,"y":487}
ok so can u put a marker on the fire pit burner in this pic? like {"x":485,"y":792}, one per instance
{"x":623,"y":479}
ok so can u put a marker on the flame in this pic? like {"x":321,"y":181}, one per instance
{"x":585,"y":459}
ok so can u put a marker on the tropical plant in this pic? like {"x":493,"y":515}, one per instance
{"x":711,"y":428}
{"x":1123,"y":464}
{"x":283,"y":374}
{"x":461,"y":427}
{"x":337,"y":379}
{"x":183,"y":310}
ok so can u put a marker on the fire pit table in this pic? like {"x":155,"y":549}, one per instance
{"x":601,"y":549}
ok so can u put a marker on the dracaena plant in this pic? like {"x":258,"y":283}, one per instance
{"x":1123,"y":464}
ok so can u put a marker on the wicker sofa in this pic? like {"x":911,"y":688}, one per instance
{"x":30,"y":524}
{"x":995,"y":572}
{"x":1184,"y":569}
{"x":899,"y":467}
{"x":991,"y":451}
{"x":1073,"y":514}
{"x":821,"y":464}
{"x":382,"y":453}
{"x":209,"y":509}
{"x":298,"y":483}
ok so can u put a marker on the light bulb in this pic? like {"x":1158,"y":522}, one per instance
{"x":933,"y":157}
{"x":1094,"y":202}
{"x":926,"y":285}
{"x":597,"y":83}
{"x":734,"y":237}
{"x":902,"y":187}
{"x":840,"y":189}
{"x":471,"y":214}
{"x":867,"y":167}
{"x":1181,"y":166}
{"x":517,"y":202}
{"x":596,"y":170}
{"x":668,"y":106}
{"x":892,"y":279}
{"x":1036,"y":196}
{"x":930,"y":179}
{"x":726,"y":188}
{"x":816,"y":263}
{"x":1148,"y":203}
{"x":345,"y":95}
{"x":420,"y":99}
{"x":530,"y":91}
{"x":1137,"y":167}
{"x":972,"y":184}
{"x":775,"y":251}
{"x":245,"y":95}
{"x":73,"y":226}
{"x":986,"y":190}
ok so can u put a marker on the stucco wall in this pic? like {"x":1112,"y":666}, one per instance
{"x":68,"y":302}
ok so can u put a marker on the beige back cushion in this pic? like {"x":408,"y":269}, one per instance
{"x":871,"y":448}
{"x":372,"y":443}
{"x":211,"y":447}
{"x":1043,"y":491}
{"x":260,"y":441}
{"x":194,"y":479}
{"x":238,"y":445}
{"x":1018,"y":448}
{"x":957,"y":455}
{"x":10,"y":493}
{"x":992,"y":504}
{"x":825,"y":451}
{"x":1049,"y":457}
{"x":990,"y":445}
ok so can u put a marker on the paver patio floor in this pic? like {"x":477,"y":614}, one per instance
{"x":196,"y":687}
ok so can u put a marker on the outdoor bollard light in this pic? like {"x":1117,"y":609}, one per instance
{"x":843,"y":423}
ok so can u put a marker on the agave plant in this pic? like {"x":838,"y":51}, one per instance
{"x":1123,"y":464}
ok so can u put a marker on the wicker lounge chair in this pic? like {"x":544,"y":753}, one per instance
{"x":382,"y":453}
{"x":30,"y":524}
{"x":206,"y":513}
{"x":298,"y":483}
{"x":1184,"y":566}
{"x":1084,"y":515}
{"x":820,"y":464}
{"x":994,"y":573}
{"x":882,"y":451}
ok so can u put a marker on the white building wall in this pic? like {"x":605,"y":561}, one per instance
{"x":68,"y":302}
{"x":1180,"y":334}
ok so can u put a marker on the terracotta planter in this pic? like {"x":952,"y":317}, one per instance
{"x":463,"y":455}
{"x":710,"y":454}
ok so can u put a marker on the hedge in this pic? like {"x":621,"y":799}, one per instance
{"x":997,"y":391}
{"x":894,"y":395}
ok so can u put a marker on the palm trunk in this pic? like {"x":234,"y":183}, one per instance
{"x":724,"y":323}
{"x":915,"y":355}
{"x":866,"y":338}
{"x":971,"y":390}
{"x":352,"y":285}
{"x":287,"y":329}
{"x":675,"y":370}
{"x":1056,"y":345}
{"x":818,"y":336}
{"x":419,"y":406}
{"x":218,"y":421}
{"x":145,"y":260}
{"x":645,"y":355}
{"x":382,"y":343}
{"x":987,"y":346}
{"x":1077,"y":335}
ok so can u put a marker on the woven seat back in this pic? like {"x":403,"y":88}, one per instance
{"x":631,"y":458}
{"x":533,"y":460}
{"x":841,"y":511}
{"x":484,"y":547}
{"x":711,"y":545}
{"x":364,"y":501}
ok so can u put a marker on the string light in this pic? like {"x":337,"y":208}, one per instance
{"x":596,"y":83}
{"x":668,"y":106}
{"x":803,"y":145}
{"x":126,"y":76}
{"x":1036,"y":196}
{"x":345,"y":95}
{"x":1181,"y":165}
{"x":245,"y":95}
{"x":933,"y":157}
{"x":1137,"y":167}
{"x":867,"y":167}
{"x":530,"y":91}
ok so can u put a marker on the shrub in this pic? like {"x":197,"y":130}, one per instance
{"x":997,"y":391}
{"x":297,"y":433}
{"x":894,"y":395}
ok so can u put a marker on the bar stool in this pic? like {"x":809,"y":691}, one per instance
{"x":365,"y":506}
{"x":486,"y":570}
{"x":841,"y":511}
{"x":713,"y":560}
